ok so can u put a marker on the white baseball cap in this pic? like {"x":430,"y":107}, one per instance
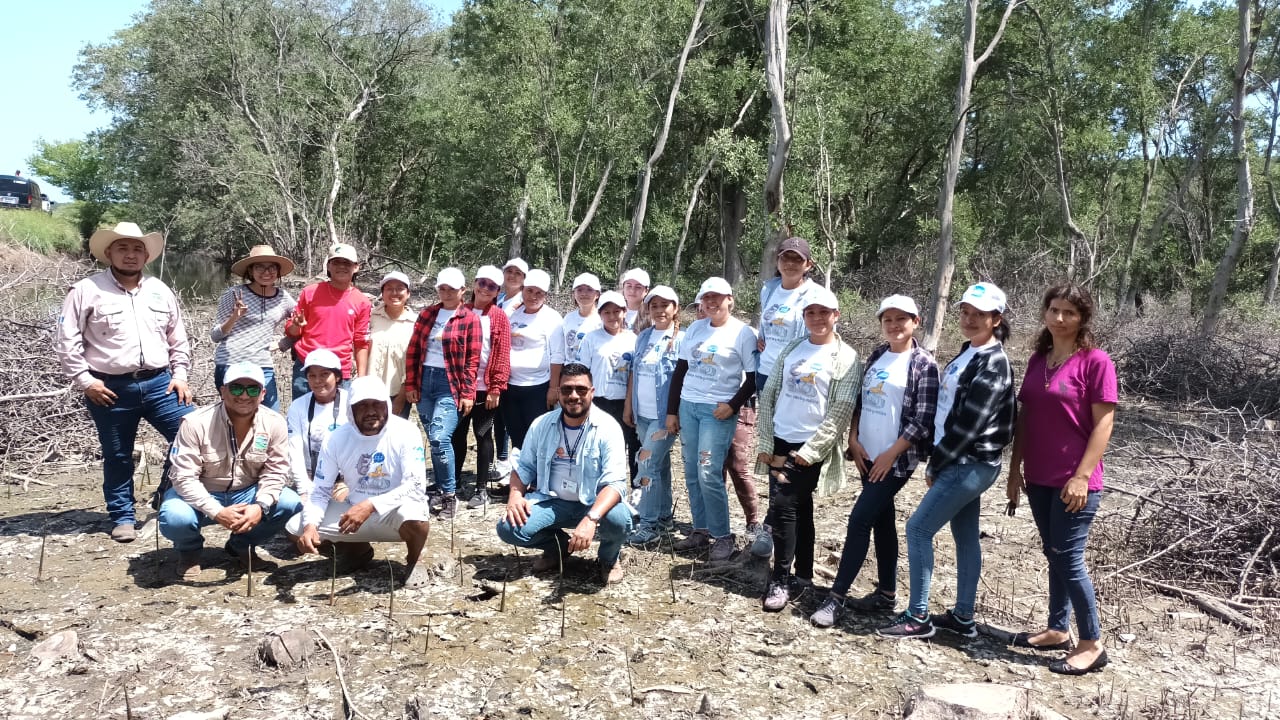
{"x":899,"y":302}
{"x":636,"y":274}
{"x":490,"y":273}
{"x":986,"y":297}
{"x":611,"y":297}
{"x":538,"y":279}
{"x":518,"y":264}
{"x":395,"y":275}
{"x":342,"y":250}
{"x":588,"y":279}
{"x":717,"y":285}
{"x":664,"y":292}
{"x":321,"y":357}
{"x":451,"y":277}
{"x":244,"y":370}
{"x":369,"y":387}
{"x":823,"y":297}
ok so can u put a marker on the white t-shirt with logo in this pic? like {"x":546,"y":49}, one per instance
{"x":648,"y":367}
{"x":948,"y":384}
{"x":781,"y":320}
{"x":307,"y":437}
{"x":576,"y":328}
{"x":435,"y":340}
{"x":629,"y":321}
{"x":718,"y":357}
{"x":388,"y":469}
{"x":609,"y":357}
{"x":537,"y":343}
{"x":486,"y":346}
{"x":802,"y":397}
{"x":883,"y":388}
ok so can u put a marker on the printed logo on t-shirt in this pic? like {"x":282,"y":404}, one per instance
{"x":704,"y":360}
{"x":775,"y":313}
{"x":804,"y":376}
{"x":374,"y":478}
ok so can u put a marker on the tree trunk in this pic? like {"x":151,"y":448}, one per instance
{"x":519,"y":224}
{"x":946,"y":251}
{"x":733,"y":217}
{"x":1243,"y":225}
{"x":775,"y":73}
{"x":1131,"y":248}
{"x":659,"y":145}
{"x":1273,"y":275}
{"x":582,"y":226}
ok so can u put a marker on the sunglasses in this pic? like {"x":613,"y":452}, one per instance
{"x":237,"y":390}
{"x":486,"y":285}
{"x":571,"y":390}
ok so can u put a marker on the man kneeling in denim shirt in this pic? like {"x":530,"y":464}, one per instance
{"x":230,"y":464}
{"x":572,"y":473}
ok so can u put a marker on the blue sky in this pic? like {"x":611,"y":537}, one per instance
{"x":41,"y":42}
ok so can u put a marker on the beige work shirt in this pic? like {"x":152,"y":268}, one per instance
{"x":110,"y":330}
{"x":389,"y":340}
{"x":205,"y":459}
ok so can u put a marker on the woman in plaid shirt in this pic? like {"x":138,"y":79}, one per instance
{"x":440,"y":375}
{"x":892,"y":431}
{"x":973,"y":424}
{"x":805,"y":408}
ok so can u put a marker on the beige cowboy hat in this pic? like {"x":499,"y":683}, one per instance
{"x":102,"y":239}
{"x":261,"y":254}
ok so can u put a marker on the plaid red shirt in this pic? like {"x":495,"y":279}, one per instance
{"x":461,"y":345}
{"x":498,"y":372}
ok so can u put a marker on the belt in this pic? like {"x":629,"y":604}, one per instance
{"x":143,"y":374}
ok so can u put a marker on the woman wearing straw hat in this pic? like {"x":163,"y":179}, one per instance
{"x":249,"y":316}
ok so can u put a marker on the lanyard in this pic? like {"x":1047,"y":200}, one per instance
{"x":564,"y":435}
{"x":311,"y":443}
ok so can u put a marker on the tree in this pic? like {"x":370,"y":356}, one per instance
{"x":82,"y":168}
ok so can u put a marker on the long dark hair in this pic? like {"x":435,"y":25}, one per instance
{"x":1002,"y":331}
{"x":1083,"y":301}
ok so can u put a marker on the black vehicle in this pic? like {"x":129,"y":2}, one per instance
{"x":17,"y":192}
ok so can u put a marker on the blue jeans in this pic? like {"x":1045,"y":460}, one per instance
{"x":956,"y":498}
{"x":438,"y":412}
{"x":543,"y":528}
{"x":270,"y":394}
{"x":118,"y":429}
{"x":873,"y":514}
{"x":653,"y":463}
{"x":181,"y":523}
{"x":705,"y":443}
{"x":1064,"y":535}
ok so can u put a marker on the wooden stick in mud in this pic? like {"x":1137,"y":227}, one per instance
{"x":40,"y":569}
{"x":333,"y":579}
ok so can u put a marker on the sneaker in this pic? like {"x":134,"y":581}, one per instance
{"x":644,"y":535}
{"x":829,"y":612}
{"x":907,"y":625}
{"x":247,"y":558}
{"x":874,"y":601}
{"x":448,"y":506}
{"x":723,"y":548}
{"x":956,"y":624}
{"x":124,"y":532}
{"x":697,"y":540}
{"x":777,"y":596}
{"x":189,"y":565}
{"x":799,"y":586}
{"x":478,"y":500}
{"x":761,"y":540}
{"x":495,"y":474}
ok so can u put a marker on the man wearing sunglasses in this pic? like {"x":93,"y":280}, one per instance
{"x":230,"y":466}
{"x":571,"y":474}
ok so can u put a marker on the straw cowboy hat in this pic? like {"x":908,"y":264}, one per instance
{"x":261,"y":254}
{"x":102,"y":239}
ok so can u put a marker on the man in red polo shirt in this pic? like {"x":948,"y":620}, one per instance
{"x":334,"y":315}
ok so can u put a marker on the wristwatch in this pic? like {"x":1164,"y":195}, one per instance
{"x":266,"y":508}
{"x":593,"y":516}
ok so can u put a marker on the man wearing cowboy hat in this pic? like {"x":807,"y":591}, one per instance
{"x":250,"y":317}
{"x":121,"y":341}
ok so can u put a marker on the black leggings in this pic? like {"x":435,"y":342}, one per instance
{"x":791,"y":517}
{"x":521,"y":405}
{"x":481,"y":422}
{"x":614,"y":408}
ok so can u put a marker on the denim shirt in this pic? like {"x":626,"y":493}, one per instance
{"x":666,"y":368}
{"x":601,"y":461}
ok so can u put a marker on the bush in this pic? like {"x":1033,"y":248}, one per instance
{"x":40,"y":232}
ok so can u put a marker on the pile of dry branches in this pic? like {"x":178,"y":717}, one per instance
{"x":1222,"y":372}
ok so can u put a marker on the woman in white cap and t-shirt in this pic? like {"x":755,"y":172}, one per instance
{"x":974,"y":422}
{"x":607,"y":351}
{"x":892,"y":431}
{"x":390,"y":328}
{"x":537,"y":354}
{"x":513,"y":276}
{"x":634,"y":287}
{"x":713,"y":379}
{"x":805,"y":410}
{"x":782,"y":303}
{"x":315,"y":415}
{"x":250,"y":316}
{"x":583,"y":320}
{"x":491,"y":380}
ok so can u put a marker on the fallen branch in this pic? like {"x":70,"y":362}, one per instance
{"x":32,"y":396}
{"x":1214,"y":606}
{"x":348,"y":708}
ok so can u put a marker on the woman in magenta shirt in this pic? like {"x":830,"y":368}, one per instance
{"x":1068,"y":401}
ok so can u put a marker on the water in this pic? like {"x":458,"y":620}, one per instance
{"x":192,"y":275}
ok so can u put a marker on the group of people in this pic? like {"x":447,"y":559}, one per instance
{"x":579,"y":414}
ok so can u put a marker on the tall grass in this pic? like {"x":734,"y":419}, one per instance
{"x":39,"y":231}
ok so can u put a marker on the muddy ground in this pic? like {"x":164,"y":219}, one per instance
{"x":678,"y":638}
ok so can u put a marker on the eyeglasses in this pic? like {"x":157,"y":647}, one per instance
{"x":574,"y":390}
{"x":486,"y":285}
{"x":237,"y":390}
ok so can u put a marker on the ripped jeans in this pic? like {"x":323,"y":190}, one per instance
{"x":705,"y":442}
{"x":653,"y":472}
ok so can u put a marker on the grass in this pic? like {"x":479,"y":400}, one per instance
{"x":40,"y":232}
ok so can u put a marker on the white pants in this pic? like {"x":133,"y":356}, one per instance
{"x":378,"y":528}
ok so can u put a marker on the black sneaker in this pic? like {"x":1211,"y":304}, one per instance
{"x":829,"y":613}
{"x":907,"y":625}
{"x":448,"y":506}
{"x":874,"y":601}
{"x":478,"y":500}
{"x":954,"y":623}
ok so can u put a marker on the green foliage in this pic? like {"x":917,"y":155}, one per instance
{"x":38,"y":231}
